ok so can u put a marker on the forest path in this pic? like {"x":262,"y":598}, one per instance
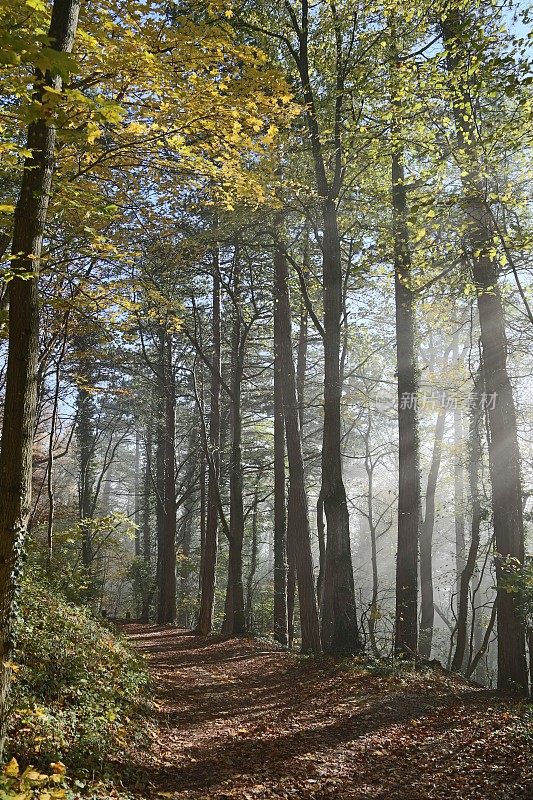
{"x":239,"y":719}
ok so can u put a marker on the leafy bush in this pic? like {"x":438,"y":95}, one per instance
{"x":31,"y":784}
{"x":76,"y":685}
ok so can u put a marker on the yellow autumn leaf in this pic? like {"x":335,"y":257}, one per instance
{"x":12,"y":769}
{"x":30,"y":774}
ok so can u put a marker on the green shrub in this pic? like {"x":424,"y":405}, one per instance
{"x":31,"y":784}
{"x":76,"y":685}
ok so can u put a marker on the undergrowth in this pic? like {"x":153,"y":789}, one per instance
{"x":78,"y":689}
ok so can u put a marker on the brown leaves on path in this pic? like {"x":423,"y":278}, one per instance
{"x":240,"y":719}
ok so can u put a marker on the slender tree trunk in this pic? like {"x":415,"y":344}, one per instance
{"x":374,"y":609}
{"x":209,"y":559}
{"x":85,"y":437}
{"x":159,"y":480}
{"x":166,"y":612}
{"x":298,"y":529}
{"x":137,"y":495}
{"x":146,"y":533}
{"x":321,"y":534}
{"x":184,"y":563}
{"x":235,"y":617}
{"x":301,"y":360}
{"x":51,"y":447}
{"x":474,"y":462}
{"x":291,"y":589}
{"x":203,"y":518}
{"x":458,"y":488}
{"x":406,"y":619}
{"x":479,"y":673}
{"x":281,"y":631}
{"x":22,"y":360}
{"x":426,"y":542}
{"x":250,"y":620}
{"x":187,"y":520}
{"x":504,"y":454}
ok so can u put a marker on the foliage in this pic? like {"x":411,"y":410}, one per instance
{"x":76,"y":685}
{"x":108,"y":534}
{"x":518,"y":579}
{"x":17,"y":785}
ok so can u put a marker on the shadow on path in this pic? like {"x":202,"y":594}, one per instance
{"x":238,"y":718}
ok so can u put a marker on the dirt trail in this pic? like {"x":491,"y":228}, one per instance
{"x":239,"y":719}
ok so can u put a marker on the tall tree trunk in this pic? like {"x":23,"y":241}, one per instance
{"x":338,"y":613}
{"x":235,"y":617}
{"x":474,"y":463}
{"x":298,"y":529}
{"x":406,"y":618}
{"x":281,"y":630}
{"x":291,"y":589}
{"x":374,"y":609}
{"x":426,"y":542}
{"x":85,"y":438}
{"x":22,"y":360}
{"x":184,"y":563}
{"x":203,"y":519}
{"x":146,"y":533}
{"x":504,"y":454}
{"x":166,"y":612}
{"x":338,"y":620}
{"x":51,"y":446}
{"x":458,"y":487}
{"x":186,"y":530}
{"x":321,"y":534}
{"x":209,"y":556}
{"x":250,"y":621}
{"x":301,"y":360}
{"x":159,"y":481}
{"x":137,"y":495}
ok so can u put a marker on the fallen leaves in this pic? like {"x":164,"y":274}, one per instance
{"x":234,"y":721}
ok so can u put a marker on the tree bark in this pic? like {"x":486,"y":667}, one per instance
{"x":374,"y":608}
{"x":339,"y":633}
{"x":338,"y":613}
{"x":474,"y":463}
{"x":166,"y":611}
{"x":458,"y":488}
{"x":406,"y":618}
{"x":426,"y":543}
{"x":22,"y":360}
{"x":146,"y":533}
{"x":301,"y":361}
{"x":85,"y":438}
{"x":209,"y":557}
{"x":321,"y":534}
{"x":250,"y":621}
{"x":137,"y":495}
{"x":298,"y":529}
{"x":281,"y":630}
{"x":184,"y":563}
{"x":504,"y":454}
{"x":235,"y":617}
